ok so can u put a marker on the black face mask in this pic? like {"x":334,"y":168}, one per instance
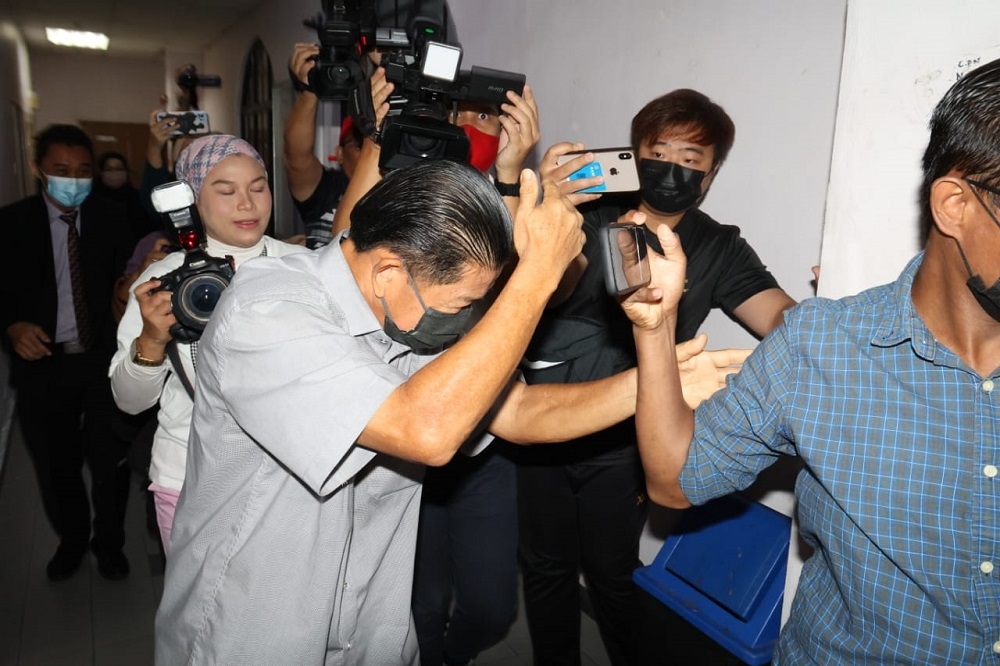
{"x":667,"y":187}
{"x":988,"y":297}
{"x":434,"y":331}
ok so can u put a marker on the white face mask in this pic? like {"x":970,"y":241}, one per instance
{"x":114,"y":179}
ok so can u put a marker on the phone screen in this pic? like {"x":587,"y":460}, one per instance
{"x":626,"y":261}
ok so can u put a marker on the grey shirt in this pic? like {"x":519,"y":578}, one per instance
{"x":292,"y":544}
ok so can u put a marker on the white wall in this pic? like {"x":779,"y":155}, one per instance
{"x":77,"y":86}
{"x":15,"y":93}
{"x":278,"y":24}
{"x":773,"y":64}
{"x":894,"y":73}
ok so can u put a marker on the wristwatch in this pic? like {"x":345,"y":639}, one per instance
{"x":508,"y":189}
{"x":139,"y":359}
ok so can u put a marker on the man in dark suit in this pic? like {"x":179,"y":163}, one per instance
{"x":64,"y":250}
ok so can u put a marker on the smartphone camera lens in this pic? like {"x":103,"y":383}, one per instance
{"x":624,"y":156}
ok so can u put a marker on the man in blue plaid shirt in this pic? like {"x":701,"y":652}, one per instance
{"x":888,"y":399}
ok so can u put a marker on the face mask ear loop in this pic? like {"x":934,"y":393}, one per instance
{"x":981,"y":201}
{"x":413,"y":286}
{"x":968,"y":268}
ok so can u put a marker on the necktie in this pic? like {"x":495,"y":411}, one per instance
{"x":76,"y":277}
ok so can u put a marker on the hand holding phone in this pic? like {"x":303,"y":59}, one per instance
{"x":617,"y":166}
{"x":626,"y":262}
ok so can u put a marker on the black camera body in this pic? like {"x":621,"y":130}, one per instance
{"x":198,"y":283}
{"x":196,"y":288}
{"x":424,"y":71}
{"x":427,"y":88}
{"x":346,"y":32}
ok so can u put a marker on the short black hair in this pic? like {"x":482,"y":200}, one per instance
{"x":439,"y":216}
{"x":692,"y":115}
{"x":67,"y":135}
{"x":965,"y":135}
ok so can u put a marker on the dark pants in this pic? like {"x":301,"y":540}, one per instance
{"x":466,"y":552}
{"x":580,"y":513}
{"x":65,"y":410}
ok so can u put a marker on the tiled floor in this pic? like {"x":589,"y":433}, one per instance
{"x":88,"y":621}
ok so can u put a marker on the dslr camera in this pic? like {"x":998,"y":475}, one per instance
{"x":428,"y":84}
{"x":196,"y":286}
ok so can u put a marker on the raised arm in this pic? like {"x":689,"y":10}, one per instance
{"x":301,"y":164}
{"x":664,"y":421}
{"x":431,"y":414}
{"x":550,"y":168}
{"x":366,"y":173}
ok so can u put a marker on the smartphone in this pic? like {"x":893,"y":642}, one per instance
{"x":626,"y":260}
{"x":188,"y":122}
{"x":616,"y":165}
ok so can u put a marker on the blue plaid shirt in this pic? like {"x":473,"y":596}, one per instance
{"x":899,"y":494}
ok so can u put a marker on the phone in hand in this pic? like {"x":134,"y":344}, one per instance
{"x":626,"y":259}
{"x":616,"y":165}
{"x":189,"y":123}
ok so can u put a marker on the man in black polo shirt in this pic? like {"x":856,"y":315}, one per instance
{"x":582,"y":507}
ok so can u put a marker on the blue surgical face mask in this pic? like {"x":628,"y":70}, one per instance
{"x":69,"y":192}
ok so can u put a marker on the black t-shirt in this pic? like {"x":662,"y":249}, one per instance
{"x":591,"y":332}
{"x":318,"y":210}
{"x":592,"y":336}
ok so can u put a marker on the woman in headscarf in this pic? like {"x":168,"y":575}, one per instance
{"x":233,"y":199}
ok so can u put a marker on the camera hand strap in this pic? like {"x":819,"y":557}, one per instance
{"x":175,"y":360}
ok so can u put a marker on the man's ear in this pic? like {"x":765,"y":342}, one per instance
{"x":387,"y":268}
{"x":950,"y":199}
{"x":36,"y":171}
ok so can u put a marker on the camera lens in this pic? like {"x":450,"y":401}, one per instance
{"x":197,"y":298}
{"x":624,"y":156}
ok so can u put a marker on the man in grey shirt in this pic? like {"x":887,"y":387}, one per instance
{"x":321,"y":397}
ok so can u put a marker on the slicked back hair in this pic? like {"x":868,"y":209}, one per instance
{"x":692,"y":115}
{"x":965,"y":136}
{"x":440,"y":217}
{"x":67,"y":135}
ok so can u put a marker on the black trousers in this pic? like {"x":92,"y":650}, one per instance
{"x":465,"y":580}
{"x":580,"y":512}
{"x":66,"y":410}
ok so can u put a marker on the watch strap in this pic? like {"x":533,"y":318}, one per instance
{"x":508,"y":189}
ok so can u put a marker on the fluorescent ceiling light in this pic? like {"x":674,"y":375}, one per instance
{"x":77,"y":38}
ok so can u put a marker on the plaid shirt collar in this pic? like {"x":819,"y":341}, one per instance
{"x":901,"y":321}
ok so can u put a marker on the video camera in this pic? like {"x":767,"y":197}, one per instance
{"x":428,"y":84}
{"x":197,"y":285}
{"x":188,"y":80}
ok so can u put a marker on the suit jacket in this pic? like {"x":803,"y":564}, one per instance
{"x":27,"y":272}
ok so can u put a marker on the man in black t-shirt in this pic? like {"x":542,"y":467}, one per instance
{"x":582,"y":506}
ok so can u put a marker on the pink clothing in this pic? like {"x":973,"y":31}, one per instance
{"x":165,"y":501}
